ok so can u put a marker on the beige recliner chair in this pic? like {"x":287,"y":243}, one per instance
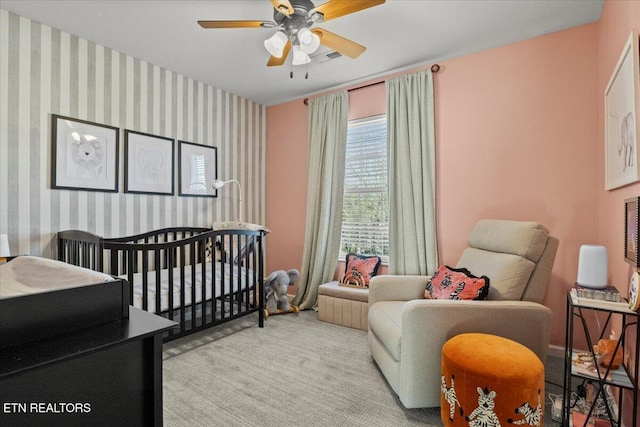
{"x":407,"y":332}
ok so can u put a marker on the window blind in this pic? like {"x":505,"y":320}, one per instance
{"x":365,"y":214}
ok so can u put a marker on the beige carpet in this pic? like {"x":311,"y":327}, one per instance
{"x":296,"y":371}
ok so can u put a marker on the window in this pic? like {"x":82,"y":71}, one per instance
{"x":365,"y":212}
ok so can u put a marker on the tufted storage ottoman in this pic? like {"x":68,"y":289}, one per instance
{"x":343,"y":305}
{"x":489,"y":380}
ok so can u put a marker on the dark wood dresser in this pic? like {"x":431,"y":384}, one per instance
{"x":80,"y":357}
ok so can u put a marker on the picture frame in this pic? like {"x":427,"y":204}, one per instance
{"x":197,"y":169}
{"x":84,"y":155}
{"x":622,"y":105}
{"x":631,"y":230}
{"x":148,"y":163}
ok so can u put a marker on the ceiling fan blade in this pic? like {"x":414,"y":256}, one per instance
{"x":283,"y":6}
{"x":275,"y":61}
{"x":339,"y":43}
{"x":337,"y":8}
{"x":236,"y":24}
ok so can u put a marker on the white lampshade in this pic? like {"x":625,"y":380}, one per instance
{"x":592,"y":266}
{"x":276,"y":43}
{"x":4,"y":246}
{"x":300,"y":57}
{"x":309,"y":42}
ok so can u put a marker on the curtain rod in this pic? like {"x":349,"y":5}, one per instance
{"x":434,"y":69}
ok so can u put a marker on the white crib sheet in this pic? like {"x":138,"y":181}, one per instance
{"x":222,"y":284}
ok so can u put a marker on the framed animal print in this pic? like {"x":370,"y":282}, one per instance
{"x":148,"y":163}
{"x":84,"y":155}
{"x":621,"y":109}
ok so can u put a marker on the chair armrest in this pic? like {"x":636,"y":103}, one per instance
{"x":428,"y":324}
{"x":433,"y":322}
{"x":391,"y":287}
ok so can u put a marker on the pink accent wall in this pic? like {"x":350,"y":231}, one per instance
{"x":516,"y":131}
{"x":519,"y":133}
{"x":517,"y":138}
{"x":616,"y":22}
{"x":286,"y":191}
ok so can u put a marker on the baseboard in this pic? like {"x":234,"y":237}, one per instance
{"x":556,"y":351}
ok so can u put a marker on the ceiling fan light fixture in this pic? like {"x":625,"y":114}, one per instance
{"x":304,"y":35}
{"x":309,"y":42}
{"x":300,"y":57}
{"x":275,"y":44}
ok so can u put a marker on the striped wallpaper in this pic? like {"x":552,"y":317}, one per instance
{"x":45,"y":71}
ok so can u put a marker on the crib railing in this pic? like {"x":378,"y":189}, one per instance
{"x":160,"y":256}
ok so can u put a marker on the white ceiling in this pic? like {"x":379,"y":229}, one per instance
{"x":399,"y":34}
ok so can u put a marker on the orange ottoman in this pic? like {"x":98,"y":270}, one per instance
{"x":490,"y":381}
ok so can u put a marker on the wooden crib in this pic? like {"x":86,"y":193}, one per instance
{"x":195,"y":276}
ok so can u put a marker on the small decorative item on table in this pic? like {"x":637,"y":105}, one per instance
{"x":609,"y":352}
{"x":634,"y":298}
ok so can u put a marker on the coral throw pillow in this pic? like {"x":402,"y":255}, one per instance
{"x":456,"y":283}
{"x":360,"y":269}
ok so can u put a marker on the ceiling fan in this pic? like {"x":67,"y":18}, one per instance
{"x":294,"y":19}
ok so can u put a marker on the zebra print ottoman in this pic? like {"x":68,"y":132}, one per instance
{"x":490,"y":381}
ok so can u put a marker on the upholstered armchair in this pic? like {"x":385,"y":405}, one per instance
{"x":407,"y":332}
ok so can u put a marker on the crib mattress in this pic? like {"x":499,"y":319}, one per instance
{"x":223,"y":278}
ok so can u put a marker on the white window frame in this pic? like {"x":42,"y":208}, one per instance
{"x":384,"y":188}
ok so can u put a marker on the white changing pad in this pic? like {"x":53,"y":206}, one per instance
{"x":26,"y":275}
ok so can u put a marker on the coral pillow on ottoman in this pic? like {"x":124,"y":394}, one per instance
{"x":360,"y":269}
{"x":456,"y":283}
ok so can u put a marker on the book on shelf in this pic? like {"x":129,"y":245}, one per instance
{"x":622,"y":306}
{"x":609,"y":293}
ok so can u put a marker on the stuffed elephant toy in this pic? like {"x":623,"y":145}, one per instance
{"x":275,"y":289}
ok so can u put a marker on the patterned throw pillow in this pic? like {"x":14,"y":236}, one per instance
{"x":456,"y":283}
{"x":360,"y":269}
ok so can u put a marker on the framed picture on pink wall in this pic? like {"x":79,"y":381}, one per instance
{"x":622,"y":125}
{"x":631,"y":236}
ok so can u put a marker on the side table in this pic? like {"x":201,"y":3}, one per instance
{"x":623,"y":378}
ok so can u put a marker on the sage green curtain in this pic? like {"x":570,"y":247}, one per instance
{"x":412,"y":223}
{"x":328,"y":119}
